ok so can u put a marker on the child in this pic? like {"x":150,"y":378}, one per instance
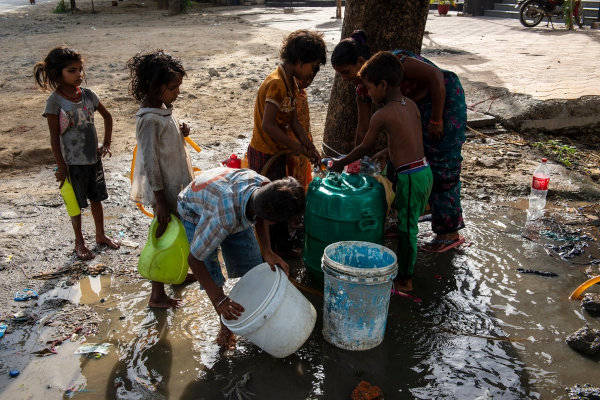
{"x":219,"y":208}
{"x":301,"y":54}
{"x":400,"y":119}
{"x":75,"y":143}
{"x":163,"y":167}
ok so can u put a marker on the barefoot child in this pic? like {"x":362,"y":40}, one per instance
{"x":400,"y":119}
{"x":220,"y":208}
{"x":163,"y":167}
{"x":302,"y":54}
{"x":74,"y":142}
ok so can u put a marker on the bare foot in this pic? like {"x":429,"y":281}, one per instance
{"x":103,"y":239}
{"x":441,"y":241}
{"x":226,"y":338}
{"x":83,"y":252}
{"x":403,"y":285}
{"x":165,"y":302}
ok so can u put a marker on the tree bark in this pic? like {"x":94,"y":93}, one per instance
{"x":389,"y":25}
{"x":162,"y":4}
{"x":174,"y":7}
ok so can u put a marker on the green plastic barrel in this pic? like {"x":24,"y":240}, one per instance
{"x":341,"y":207}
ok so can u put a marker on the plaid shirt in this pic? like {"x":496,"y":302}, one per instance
{"x":216,"y":203}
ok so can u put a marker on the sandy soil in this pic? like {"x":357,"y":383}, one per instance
{"x":226,"y":59}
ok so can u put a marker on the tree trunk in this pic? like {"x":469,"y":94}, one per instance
{"x":389,"y":25}
{"x":162,"y":4}
{"x":174,"y":7}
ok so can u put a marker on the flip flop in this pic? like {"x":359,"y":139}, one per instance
{"x":26,"y":294}
{"x":407,"y":295}
{"x":449,"y":244}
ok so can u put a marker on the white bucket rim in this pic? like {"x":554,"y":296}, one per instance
{"x":353,"y":273}
{"x":233,"y":324}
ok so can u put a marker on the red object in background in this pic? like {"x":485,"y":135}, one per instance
{"x":233,"y":162}
{"x":353,"y":167}
{"x":443,"y":9}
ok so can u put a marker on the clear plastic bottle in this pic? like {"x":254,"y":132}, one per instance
{"x":539,"y":190}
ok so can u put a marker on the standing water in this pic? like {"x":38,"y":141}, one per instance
{"x":482,"y":330}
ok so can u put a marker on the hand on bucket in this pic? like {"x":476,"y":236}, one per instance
{"x":273,"y":259}
{"x":228,"y":308}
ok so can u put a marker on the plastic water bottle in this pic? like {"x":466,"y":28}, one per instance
{"x":539,"y":190}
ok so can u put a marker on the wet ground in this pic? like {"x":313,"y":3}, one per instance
{"x":482,"y":330}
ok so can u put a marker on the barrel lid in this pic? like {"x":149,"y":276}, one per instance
{"x":345,"y":183}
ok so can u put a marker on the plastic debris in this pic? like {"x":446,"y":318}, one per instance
{"x":237,"y":389}
{"x":14,"y":373}
{"x":366,"y":391}
{"x":94,"y":349}
{"x":533,"y":271}
{"x":26,"y":294}
{"x":3,"y":329}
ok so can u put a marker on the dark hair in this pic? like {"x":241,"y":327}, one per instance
{"x":304,"y":46}
{"x":149,"y":71}
{"x":383,"y":66}
{"x":279,"y":200}
{"x":348,"y":50}
{"x":48,"y":73}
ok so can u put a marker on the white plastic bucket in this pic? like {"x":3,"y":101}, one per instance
{"x":277,"y":317}
{"x":357,"y":288}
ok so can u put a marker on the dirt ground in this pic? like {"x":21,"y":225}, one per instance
{"x":226,"y":59}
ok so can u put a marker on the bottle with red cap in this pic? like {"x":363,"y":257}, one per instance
{"x":233,"y":162}
{"x":539,"y":190}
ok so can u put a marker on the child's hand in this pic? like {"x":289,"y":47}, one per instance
{"x":381,"y":158}
{"x":185,"y":129}
{"x":337,"y":165}
{"x":436,"y":131}
{"x":163,"y":216}
{"x":228,"y":308}
{"x":104,"y":150}
{"x":314,"y":156}
{"x":274,"y":260}
{"x":61,"y":175}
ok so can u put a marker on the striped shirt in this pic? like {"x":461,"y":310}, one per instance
{"x":215,"y":202}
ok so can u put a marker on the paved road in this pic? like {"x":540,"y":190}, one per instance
{"x":541,"y":62}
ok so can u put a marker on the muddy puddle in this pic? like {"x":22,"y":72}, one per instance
{"x":482,"y":330}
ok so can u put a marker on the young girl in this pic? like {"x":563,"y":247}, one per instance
{"x":163,"y":166}
{"x":73,"y":138}
{"x":302,"y":54}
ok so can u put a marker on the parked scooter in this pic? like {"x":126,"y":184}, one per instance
{"x":532,"y":12}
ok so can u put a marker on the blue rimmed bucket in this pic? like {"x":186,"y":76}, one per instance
{"x":357,"y":285}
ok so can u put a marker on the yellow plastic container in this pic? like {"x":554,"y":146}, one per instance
{"x":165,"y":259}
{"x":68,"y":195}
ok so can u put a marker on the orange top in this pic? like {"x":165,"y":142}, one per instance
{"x":280,"y":91}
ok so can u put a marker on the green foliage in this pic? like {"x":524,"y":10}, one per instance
{"x":61,"y":7}
{"x":568,"y":12}
{"x":559,"y":151}
{"x":186,"y":6}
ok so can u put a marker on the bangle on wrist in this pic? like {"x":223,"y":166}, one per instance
{"x":432,"y":122}
{"x":220,"y":303}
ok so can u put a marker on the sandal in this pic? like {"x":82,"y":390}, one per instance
{"x":448,"y":245}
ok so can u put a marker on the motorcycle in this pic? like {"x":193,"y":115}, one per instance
{"x":532,"y":12}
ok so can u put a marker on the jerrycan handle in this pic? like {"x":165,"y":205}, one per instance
{"x":154,"y":226}
{"x":369,"y":222}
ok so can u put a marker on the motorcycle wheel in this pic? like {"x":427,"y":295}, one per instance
{"x":529,"y":13}
{"x":578,"y":14}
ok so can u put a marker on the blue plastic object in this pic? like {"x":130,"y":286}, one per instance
{"x":2,"y":329}
{"x":26,"y":294}
{"x":358,"y":279}
{"x":14,"y":372}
